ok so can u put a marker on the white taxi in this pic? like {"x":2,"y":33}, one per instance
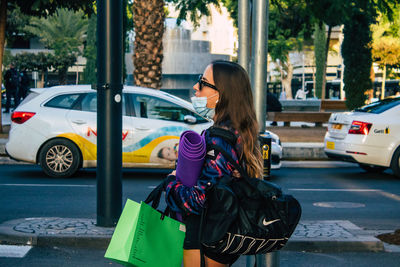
{"x":369,"y":136}
{"x":56,"y":128}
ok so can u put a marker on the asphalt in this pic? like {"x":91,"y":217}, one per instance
{"x":313,"y":236}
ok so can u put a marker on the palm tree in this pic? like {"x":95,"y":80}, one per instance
{"x":64,"y":32}
{"x":148,"y":21}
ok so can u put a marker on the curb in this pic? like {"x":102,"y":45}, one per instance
{"x":335,"y":246}
{"x":332,"y":236}
{"x":303,"y":151}
{"x":309,"y":236}
{"x":53,"y":237}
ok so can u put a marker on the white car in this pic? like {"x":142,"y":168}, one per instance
{"x":369,"y":136}
{"x":56,"y":128}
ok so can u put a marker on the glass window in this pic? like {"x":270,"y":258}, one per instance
{"x":155,"y":108}
{"x":380,"y":106}
{"x":62,"y":101}
{"x":89,"y":103}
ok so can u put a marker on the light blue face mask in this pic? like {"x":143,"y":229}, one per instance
{"x":200,"y":106}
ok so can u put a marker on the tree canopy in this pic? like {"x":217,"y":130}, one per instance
{"x":385,"y":40}
{"x":64,"y":32}
{"x":40,"y":8}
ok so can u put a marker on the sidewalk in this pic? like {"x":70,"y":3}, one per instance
{"x":310,"y":236}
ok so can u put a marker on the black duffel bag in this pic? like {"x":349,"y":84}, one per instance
{"x":246,"y":216}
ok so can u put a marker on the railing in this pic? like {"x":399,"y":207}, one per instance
{"x":313,"y":110}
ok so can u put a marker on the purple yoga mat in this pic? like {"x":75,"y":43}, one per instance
{"x":191,"y":154}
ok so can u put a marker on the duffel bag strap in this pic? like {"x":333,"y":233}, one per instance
{"x":202,"y":220}
{"x":155,"y":195}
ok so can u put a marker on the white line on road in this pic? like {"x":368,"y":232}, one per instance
{"x":390,"y":195}
{"x":8,"y":251}
{"x":383,"y":193}
{"x":334,"y":190}
{"x":51,"y":185}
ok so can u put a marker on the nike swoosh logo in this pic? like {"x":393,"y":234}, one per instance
{"x":266,"y":223}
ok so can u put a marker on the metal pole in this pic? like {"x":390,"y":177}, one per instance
{"x":264,"y":260}
{"x":259,"y":63}
{"x":303,"y":77}
{"x":244,"y":33}
{"x":272,"y":259}
{"x":259,"y":59}
{"x":109,"y":112}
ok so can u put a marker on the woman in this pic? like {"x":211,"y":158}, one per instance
{"x":226,"y":88}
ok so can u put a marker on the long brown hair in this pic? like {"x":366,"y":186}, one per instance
{"x":236,"y":104}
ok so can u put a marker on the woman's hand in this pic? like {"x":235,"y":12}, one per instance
{"x":173,"y":173}
{"x":236,"y":174}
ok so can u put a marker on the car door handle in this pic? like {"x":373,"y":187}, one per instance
{"x":142,"y":128}
{"x":79,"y":122}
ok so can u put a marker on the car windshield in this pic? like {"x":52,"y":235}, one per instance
{"x":380,"y":106}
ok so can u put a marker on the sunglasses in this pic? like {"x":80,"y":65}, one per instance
{"x":202,"y":83}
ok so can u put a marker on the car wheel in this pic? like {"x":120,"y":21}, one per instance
{"x":372,"y":168}
{"x":60,"y":158}
{"x":395,"y":164}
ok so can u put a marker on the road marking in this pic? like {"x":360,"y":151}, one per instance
{"x":334,"y":190}
{"x":8,"y":251}
{"x":390,"y":195}
{"x":51,"y":185}
{"x":383,"y":193}
{"x":340,"y":205}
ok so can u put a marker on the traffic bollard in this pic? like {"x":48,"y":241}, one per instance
{"x":265,"y":144}
{"x":264,"y":260}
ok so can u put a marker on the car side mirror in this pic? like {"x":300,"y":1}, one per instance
{"x":189,"y":119}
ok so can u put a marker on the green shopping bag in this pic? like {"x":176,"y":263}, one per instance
{"x":144,"y":237}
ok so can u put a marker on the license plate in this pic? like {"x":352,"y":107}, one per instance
{"x":337,"y":126}
{"x":330,"y":145}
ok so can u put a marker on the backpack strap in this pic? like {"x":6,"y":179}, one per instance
{"x":225,"y":134}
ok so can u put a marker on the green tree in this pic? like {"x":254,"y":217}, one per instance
{"x":357,"y":57}
{"x":195,"y":9}
{"x":16,"y":22}
{"x":386,"y":45}
{"x":356,"y":48}
{"x":40,"y":8}
{"x":34,"y":62}
{"x":331,"y":13}
{"x":90,"y":52}
{"x":43,"y":63}
{"x":289,"y":25}
{"x":63,"y":32}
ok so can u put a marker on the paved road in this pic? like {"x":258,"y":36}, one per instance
{"x":71,"y":257}
{"x":370,"y":201}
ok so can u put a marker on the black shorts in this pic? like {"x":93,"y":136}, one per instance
{"x":192,"y":241}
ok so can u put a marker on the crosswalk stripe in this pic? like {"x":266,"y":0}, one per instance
{"x":10,"y":251}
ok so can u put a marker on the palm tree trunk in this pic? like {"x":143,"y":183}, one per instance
{"x":148,"y":21}
{"x":3,"y":21}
